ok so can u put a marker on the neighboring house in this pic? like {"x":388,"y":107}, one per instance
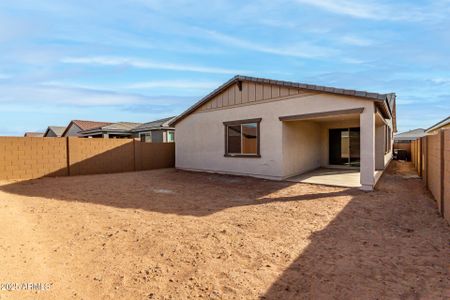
{"x":408,"y":136}
{"x":277,"y":129}
{"x":157,"y":131}
{"x":439,"y":125}
{"x":33,"y":134}
{"x":402,"y":143}
{"x":54,"y":131}
{"x":114,"y":130}
{"x":75,"y":126}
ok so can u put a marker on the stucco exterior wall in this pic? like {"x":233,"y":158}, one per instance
{"x":301,"y":147}
{"x":201,"y":142}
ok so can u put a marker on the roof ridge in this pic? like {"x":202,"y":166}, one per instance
{"x":387,"y":98}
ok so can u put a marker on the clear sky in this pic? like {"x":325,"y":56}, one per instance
{"x":139,"y":60}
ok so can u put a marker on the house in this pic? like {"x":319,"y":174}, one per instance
{"x":157,"y":131}
{"x":75,"y":126}
{"x":439,"y":125}
{"x":278,"y":129}
{"x":33,"y":134}
{"x":408,"y":136}
{"x":54,"y":131}
{"x":111,"y":130}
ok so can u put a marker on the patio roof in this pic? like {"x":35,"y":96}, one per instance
{"x":321,"y":114}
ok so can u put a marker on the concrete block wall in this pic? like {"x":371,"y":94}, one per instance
{"x":446,"y":174}
{"x":30,"y":157}
{"x":150,"y":156}
{"x":431,"y":158}
{"x":100,"y":156}
{"x":24,"y":158}
{"x":434,"y":166}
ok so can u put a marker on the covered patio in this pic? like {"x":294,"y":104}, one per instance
{"x":343,"y":148}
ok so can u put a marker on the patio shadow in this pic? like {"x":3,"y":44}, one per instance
{"x":171,"y":191}
{"x":389,"y":244}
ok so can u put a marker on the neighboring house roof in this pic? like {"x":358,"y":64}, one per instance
{"x":410,"y":135}
{"x":158,"y":124}
{"x":85,"y":125}
{"x":439,"y":124}
{"x":58,"y":130}
{"x":33,"y":134}
{"x":387,"y":101}
{"x":112,"y":127}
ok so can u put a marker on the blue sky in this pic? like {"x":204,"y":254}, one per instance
{"x":139,"y":60}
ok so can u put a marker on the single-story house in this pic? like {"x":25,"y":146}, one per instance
{"x":76,"y":126}
{"x":54,"y":131}
{"x":278,"y":129}
{"x":439,"y":125}
{"x":113,"y":130}
{"x":157,"y":131}
{"x":408,"y":136}
{"x":33,"y":134}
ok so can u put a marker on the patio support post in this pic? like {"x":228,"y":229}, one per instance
{"x":367,"y":127}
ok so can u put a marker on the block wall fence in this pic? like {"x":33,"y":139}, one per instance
{"x":431,"y":158}
{"x":29,"y":157}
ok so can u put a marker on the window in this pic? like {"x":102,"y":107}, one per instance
{"x":170,"y":136}
{"x":146,"y":137}
{"x":242,"y":138}
{"x":388,"y":140}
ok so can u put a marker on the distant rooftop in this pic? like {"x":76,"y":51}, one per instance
{"x":439,"y":124}
{"x":157,"y":124}
{"x":58,"y":130}
{"x":33,"y":134}
{"x":410,"y":135}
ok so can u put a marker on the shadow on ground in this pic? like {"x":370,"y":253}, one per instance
{"x":171,"y":191}
{"x":389,"y":244}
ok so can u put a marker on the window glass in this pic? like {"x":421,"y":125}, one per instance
{"x":170,"y":136}
{"x":249,"y":138}
{"x":234,"y":139}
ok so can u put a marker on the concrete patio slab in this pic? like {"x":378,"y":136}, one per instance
{"x":331,"y":177}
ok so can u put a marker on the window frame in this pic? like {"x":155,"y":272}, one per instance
{"x":258,"y":137}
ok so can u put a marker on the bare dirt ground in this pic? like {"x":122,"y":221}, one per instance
{"x":168,"y":234}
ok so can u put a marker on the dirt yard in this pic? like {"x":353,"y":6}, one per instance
{"x":168,"y":234}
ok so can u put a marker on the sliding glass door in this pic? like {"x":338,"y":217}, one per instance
{"x":344,"y":147}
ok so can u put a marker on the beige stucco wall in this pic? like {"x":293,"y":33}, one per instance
{"x":301,"y":147}
{"x":200,"y":136}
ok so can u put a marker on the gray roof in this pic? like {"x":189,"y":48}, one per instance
{"x":410,"y":135}
{"x":58,"y":130}
{"x":157,"y":124}
{"x":439,"y":124}
{"x":388,"y":98}
{"x":113,"y":127}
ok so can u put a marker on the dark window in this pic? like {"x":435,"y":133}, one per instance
{"x":242,"y":138}
{"x":234,"y":139}
{"x":388,"y":141}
